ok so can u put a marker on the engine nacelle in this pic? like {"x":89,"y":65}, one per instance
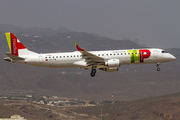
{"x":111,"y":69}
{"x":113,"y":63}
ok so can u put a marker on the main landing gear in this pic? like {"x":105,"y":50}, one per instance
{"x":158,"y":69}
{"x":93,"y":72}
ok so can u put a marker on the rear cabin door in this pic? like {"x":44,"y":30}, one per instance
{"x":41,"y":59}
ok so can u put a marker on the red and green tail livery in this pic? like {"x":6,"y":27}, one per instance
{"x":14,"y":44}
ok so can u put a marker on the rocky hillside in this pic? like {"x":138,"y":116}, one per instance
{"x":156,"y":108}
{"x":165,"y":107}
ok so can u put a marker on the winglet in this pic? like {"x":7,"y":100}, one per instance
{"x":79,"y":49}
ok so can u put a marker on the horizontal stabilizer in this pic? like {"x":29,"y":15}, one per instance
{"x":14,"y":57}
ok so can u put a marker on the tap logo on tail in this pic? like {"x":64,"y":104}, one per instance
{"x":14,"y":44}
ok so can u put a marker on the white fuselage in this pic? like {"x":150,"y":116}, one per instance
{"x":108,"y":61}
{"x":74,"y":59}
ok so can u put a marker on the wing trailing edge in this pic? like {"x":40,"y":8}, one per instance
{"x":90,"y":59}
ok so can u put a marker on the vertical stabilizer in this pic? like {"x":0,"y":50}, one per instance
{"x":14,"y":44}
{"x":16,"y":47}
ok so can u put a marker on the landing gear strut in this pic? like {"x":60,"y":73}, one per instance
{"x":93,"y":72}
{"x":158,"y":69}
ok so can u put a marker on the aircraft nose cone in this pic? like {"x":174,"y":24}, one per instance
{"x":173,"y":58}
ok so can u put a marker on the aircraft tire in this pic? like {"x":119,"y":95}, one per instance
{"x":158,"y":69}
{"x":93,"y":71}
{"x":93,"y":74}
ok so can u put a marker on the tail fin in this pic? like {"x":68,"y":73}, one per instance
{"x":14,"y":44}
{"x":16,"y":47}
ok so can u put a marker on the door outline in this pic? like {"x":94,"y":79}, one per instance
{"x":40,"y":59}
{"x":155,"y":53}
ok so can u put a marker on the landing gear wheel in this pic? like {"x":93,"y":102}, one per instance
{"x":93,"y":72}
{"x":158,"y":69}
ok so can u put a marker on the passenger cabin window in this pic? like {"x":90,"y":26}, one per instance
{"x":124,"y":53}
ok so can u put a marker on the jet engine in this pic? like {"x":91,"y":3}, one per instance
{"x":113,"y":63}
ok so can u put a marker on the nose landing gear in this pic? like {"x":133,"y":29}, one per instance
{"x":158,"y":69}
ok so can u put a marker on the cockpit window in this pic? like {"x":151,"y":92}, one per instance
{"x":164,"y":52}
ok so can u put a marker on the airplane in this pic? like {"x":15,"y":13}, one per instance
{"x":109,"y":60}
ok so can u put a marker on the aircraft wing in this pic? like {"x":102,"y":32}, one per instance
{"x":91,"y":59}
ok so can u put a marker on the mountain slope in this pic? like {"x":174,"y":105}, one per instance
{"x":165,"y":107}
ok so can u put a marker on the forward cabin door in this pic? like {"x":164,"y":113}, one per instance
{"x":155,"y":53}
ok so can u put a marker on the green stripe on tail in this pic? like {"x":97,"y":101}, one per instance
{"x":8,"y":37}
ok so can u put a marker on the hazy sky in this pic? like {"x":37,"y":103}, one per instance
{"x":154,"y":22}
